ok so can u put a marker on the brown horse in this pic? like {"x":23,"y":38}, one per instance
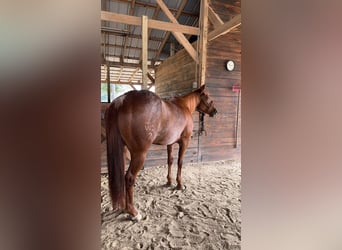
{"x":136,"y":120}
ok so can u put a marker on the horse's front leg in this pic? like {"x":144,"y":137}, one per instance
{"x":169,"y":164}
{"x":183,"y":145}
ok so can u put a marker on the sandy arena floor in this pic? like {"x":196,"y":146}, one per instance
{"x":206,"y":215}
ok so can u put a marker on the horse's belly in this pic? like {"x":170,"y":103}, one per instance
{"x":167,"y":138}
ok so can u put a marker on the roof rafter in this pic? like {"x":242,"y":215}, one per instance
{"x":151,"y":5}
{"x":225,"y":28}
{"x":131,"y":12}
{"x":178,"y":35}
{"x":132,"y":36}
{"x":132,"y":48}
{"x":214,"y":18}
{"x":133,"y":75}
{"x":152,"y":24}
{"x":126,"y":65}
{"x":167,"y":35}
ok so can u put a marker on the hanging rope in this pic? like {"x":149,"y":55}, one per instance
{"x":201,"y":125}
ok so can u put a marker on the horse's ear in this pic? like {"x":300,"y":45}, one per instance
{"x":201,"y":89}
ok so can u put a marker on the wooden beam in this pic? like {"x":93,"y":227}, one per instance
{"x":131,"y":12}
{"x":132,"y":86}
{"x":152,"y":24}
{"x":144,"y":51}
{"x":120,"y":73}
{"x":127,"y":83}
{"x":108,"y":83}
{"x":126,"y":65}
{"x":172,"y":48}
{"x":134,"y":73}
{"x":214,"y":18}
{"x":178,"y":35}
{"x":155,"y":15}
{"x":225,"y":28}
{"x":104,"y":8}
{"x":151,"y":5}
{"x":131,"y":48}
{"x":151,"y":77}
{"x":203,"y":42}
{"x":117,"y":33}
{"x":167,"y":35}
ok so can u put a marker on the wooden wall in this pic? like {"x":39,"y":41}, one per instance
{"x":221,"y":142}
{"x":176,"y":75}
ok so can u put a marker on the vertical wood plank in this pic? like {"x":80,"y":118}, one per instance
{"x":144,"y":32}
{"x":172,"y":49}
{"x":108,"y":83}
{"x":203,"y":40}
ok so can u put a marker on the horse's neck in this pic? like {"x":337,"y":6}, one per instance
{"x":190,"y":101}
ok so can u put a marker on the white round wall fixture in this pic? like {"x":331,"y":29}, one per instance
{"x":230,"y":65}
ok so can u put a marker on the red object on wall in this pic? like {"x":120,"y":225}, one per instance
{"x":236,"y":88}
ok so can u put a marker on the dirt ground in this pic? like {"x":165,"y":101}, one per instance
{"x":205,"y":215}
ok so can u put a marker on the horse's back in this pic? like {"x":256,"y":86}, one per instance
{"x":135,"y":99}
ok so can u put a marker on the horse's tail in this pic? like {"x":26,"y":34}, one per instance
{"x":115,"y":159}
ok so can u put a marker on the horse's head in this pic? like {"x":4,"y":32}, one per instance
{"x":205,"y":105}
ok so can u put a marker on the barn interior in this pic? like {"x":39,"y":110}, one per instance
{"x":172,"y":47}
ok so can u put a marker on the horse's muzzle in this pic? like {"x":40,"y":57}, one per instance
{"x":212,"y":114}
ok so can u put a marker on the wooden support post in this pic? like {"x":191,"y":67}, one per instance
{"x":172,"y":48}
{"x":203,"y":41}
{"x":151,"y":78}
{"x":144,"y":51}
{"x":108,"y":83}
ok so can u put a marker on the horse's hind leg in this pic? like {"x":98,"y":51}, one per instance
{"x":137,"y":161}
{"x":169,"y":164}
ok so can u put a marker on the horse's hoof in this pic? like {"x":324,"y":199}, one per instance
{"x":180,"y":187}
{"x":136,"y":218}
